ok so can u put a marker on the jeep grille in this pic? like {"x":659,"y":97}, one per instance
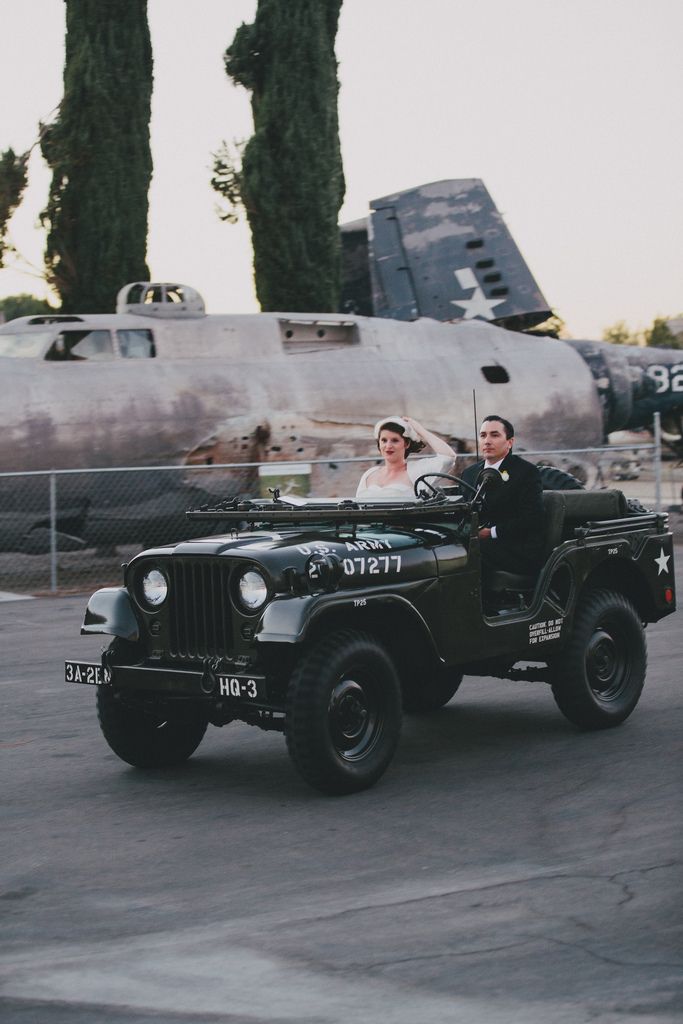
{"x":200,"y":609}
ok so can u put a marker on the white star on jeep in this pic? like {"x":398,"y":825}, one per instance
{"x":662,"y":562}
{"x":478,"y":305}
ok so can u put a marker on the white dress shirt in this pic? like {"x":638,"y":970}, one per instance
{"x":494,"y":465}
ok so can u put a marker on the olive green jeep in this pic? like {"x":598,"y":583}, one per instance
{"x":326,"y":620}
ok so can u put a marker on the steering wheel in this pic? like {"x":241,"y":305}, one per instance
{"x":435,"y":491}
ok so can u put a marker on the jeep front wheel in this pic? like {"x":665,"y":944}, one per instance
{"x":599,"y":676}
{"x":343,"y":713}
{"x":149,"y":735}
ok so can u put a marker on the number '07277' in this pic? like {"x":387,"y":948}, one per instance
{"x":371,"y":565}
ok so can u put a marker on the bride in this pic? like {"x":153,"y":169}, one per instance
{"x":397,"y":437}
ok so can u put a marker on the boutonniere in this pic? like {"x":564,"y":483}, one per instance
{"x":505,"y":475}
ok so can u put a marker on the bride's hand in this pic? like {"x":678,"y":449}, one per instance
{"x":417,"y":427}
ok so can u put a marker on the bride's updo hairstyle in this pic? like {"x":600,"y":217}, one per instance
{"x":399,"y":426}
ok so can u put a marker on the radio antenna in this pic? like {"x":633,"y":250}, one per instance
{"x":476,"y":423}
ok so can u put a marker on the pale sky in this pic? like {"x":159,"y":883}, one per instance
{"x":569,"y":111}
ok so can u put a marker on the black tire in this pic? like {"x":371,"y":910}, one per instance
{"x":149,"y":736}
{"x":431,"y":692}
{"x":343,"y":713}
{"x":599,"y":676}
{"x":558,"y":480}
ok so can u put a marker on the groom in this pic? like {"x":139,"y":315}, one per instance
{"x":511,"y":534}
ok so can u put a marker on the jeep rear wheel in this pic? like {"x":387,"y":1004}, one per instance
{"x":599,"y":676}
{"x":343,"y":713}
{"x":149,"y":735}
{"x":429,"y":693}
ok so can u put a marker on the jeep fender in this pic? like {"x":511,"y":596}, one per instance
{"x":110,"y":611}
{"x":286,"y":621}
{"x":290,"y":621}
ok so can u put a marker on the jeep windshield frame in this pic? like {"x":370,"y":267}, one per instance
{"x":297,"y":510}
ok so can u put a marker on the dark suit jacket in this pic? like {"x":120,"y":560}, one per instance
{"x":515,"y":508}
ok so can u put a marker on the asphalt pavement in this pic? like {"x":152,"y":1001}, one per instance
{"x":507,"y":868}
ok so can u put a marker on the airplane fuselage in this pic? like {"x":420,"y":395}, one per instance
{"x":268,"y":387}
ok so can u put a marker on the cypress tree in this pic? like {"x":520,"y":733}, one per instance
{"x":13,"y":180}
{"x":99,"y":153}
{"x":291,"y":180}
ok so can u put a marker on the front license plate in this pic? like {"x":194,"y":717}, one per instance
{"x":242,"y":687}
{"x":91,"y":673}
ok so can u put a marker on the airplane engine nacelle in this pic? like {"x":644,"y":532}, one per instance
{"x":634,"y":382}
{"x":614,"y":379}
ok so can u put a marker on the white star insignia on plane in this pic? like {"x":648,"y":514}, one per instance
{"x":478,"y":305}
{"x":662,"y":562}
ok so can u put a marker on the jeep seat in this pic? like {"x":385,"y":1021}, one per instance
{"x":587,"y":506}
{"x":563,"y":511}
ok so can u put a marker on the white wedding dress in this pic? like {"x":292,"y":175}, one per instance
{"x":402,"y":492}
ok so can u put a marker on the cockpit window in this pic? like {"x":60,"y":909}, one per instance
{"x":80,"y":345}
{"x":136,"y":344}
{"x":24,"y":346}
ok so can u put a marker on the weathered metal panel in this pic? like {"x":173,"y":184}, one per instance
{"x":442,"y":250}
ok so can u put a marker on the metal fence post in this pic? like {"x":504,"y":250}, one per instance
{"x":658,"y":461}
{"x":53,"y":532}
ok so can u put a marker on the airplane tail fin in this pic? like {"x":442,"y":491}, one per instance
{"x":440,"y":250}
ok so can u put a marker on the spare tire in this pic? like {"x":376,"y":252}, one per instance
{"x":558,"y":480}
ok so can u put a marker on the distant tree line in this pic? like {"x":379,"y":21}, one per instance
{"x":659,"y":335}
{"x":23,"y":305}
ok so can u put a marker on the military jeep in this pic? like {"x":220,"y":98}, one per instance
{"x":326,"y":620}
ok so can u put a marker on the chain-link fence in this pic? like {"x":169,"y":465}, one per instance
{"x":69,"y":531}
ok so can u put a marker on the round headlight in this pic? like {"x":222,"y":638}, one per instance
{"x":252,"y":589}
{"x":154,"y":587}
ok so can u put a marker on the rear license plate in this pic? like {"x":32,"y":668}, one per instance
{"x":242,"y":687}
{"x":91,"y":673}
